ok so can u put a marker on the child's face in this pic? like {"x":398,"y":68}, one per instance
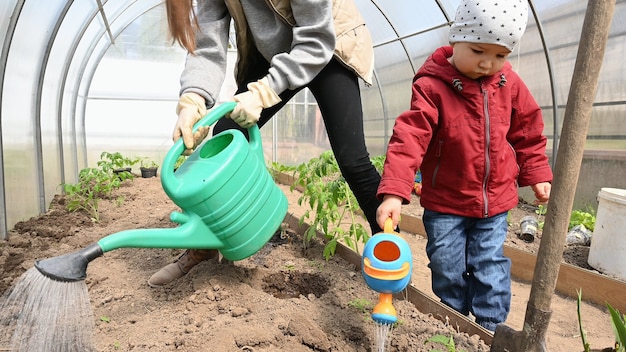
{"x":476,"y":60}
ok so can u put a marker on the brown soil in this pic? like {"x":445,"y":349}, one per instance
{"x":284,"y":298}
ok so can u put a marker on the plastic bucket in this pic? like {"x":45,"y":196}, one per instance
{"x":607,"y":252}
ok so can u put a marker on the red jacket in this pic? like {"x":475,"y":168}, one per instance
{"x":475,"y":141}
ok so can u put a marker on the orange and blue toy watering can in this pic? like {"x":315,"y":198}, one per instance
{"x":228,"y":198}
{"x":386,"y":264}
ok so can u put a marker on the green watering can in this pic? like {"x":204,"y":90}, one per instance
{"x":228,"y":198}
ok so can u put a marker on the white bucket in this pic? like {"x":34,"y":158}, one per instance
{"x":607,"y":253}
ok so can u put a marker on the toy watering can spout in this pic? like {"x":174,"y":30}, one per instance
{"x":386,"y":265}
{"x":229,"y":200}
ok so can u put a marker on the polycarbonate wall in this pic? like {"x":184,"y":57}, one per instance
{"x":77,"y":81}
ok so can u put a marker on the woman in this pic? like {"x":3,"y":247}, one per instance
{"x":283,"y":47}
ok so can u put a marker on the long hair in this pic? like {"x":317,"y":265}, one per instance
{"x":182,"y":22}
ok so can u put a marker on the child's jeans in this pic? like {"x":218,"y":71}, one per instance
{"x":469,"y":270}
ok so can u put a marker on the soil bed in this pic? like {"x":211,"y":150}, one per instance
{"x":284,"y":298}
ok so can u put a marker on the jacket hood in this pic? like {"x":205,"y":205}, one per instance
{"x":437,"y":66}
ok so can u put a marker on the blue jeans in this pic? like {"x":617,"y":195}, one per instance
{"x":469,"y":270}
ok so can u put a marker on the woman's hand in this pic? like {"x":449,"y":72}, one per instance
{"x":190,"y":109}
{"x":250,"y":104}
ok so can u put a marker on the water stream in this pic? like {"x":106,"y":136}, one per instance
{"x":39,"y":314}
{"x":382,"y":336}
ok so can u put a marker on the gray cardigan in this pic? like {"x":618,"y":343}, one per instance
{"x":296,"y":54}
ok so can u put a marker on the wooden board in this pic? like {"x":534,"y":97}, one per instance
{"x":595,"y":288}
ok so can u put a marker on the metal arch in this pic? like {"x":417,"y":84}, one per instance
{"x":88,"y":80}
{"x":64,"y":76}
{"x":38,"y":107}
{"x":99,"y":58}
{"x":4,"y":55}
{"x":443,"y":11}
{"x":380,"y":88}
{"x":105,"y":20}
{"x":66,"y":68}
{"x":546,"y":51}
{"x":406,"y":51}
{"x":401,"y":39}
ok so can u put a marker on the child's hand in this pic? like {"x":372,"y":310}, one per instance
{"x":391,"y":207}
{"x":542,"y":192}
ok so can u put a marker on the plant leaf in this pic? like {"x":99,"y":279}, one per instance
{"x":583,"y":334}
{"x":619,"y":328}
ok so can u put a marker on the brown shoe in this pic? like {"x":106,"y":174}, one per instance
{"x":181,"y":266}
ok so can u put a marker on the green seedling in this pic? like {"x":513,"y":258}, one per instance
{"x":586,"y":218}
{"x":379,"y":162}
{"x":317,"y":265}
{"x":332,"y":204}
{"x":276,"y":168}
{"x":110,"y":162}
{"x":105,"y":319}
{"x":98,"y":183}
{"x":86,"y":194}
{"x":181,"y":159}
{"x":361,"y":304}
{"x":583,"y":334}
{"x":448,"y":343}
{"x":618,"y":322}
{"x":148,"y":163}
{"x":541,"y":210}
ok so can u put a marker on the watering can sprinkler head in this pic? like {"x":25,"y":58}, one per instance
{"x":69,"y":267}
{"x":386,"y":265}
{"x":384,"y":312}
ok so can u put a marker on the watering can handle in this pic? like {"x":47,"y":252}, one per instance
{"x":388,"y":226}
{"x":212,"y":117}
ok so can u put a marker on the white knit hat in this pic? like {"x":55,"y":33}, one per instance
{"x":500,"y":22}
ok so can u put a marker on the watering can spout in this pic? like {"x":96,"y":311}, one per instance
{"x":384,"y":312}
{"x":69,"y":267}
{"x":192,"y":234}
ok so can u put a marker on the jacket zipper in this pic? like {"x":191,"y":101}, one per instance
{"x":487,"y":146}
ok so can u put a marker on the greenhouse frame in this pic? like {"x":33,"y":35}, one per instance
{"x":85,"y":80}
{"x":80,"y":78}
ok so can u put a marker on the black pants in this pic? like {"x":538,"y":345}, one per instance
{"x":338,"y":96}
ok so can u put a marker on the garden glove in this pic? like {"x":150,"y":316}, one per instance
{"x":190,"y":109}
{"x":250,"y":104}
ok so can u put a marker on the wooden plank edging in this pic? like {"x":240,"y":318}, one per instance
{"x":595,"y":288}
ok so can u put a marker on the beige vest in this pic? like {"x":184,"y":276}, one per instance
{"x":353,"y":46}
